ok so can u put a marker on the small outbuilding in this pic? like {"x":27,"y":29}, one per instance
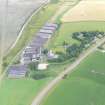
{"x":42,"y":66}
{"x":17,"y":71}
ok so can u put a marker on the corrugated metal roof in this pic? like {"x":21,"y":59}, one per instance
{"x":17,"y":71}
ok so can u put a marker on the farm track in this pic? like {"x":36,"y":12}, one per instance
{"x":39,"y":98}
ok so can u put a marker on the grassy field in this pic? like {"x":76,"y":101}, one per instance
{"x":19,"y":91}
{"x":85,"y":86}
{"x":23,"y":91}
{"x":37,"y":21}
{"x":65,"y":33}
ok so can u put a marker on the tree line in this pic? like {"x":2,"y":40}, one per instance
{"x":86,"y":38}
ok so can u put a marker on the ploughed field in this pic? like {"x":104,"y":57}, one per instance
{"x":86,"y":10}
{"x":18,"y":11}
{"x":85,"y":86}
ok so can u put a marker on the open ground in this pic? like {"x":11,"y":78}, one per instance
{"x":23,"y":91}
{"x":86,"y":10}
{"x":82,"y":87}
{"x":64,"y":33}
{"x":19,"y":91}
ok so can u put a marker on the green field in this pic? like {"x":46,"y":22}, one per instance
{"x":19,"y":91}
{"x":83,"y":86}
{"x":65,"y":33}
{"x":23,"y":91}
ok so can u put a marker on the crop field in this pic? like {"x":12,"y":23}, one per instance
{"x":85,"y":86}
{"x":19,"y":91}
{"x":86,"y":10}
{"x":65,"y":33}
{"x":65,"y":5}
{"x":18,"y":13}
{"x":23,"y":91}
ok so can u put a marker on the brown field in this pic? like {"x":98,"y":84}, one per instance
{"x":86,"y":10}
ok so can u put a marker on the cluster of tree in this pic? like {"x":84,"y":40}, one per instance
{"x":87,"y":36}
{"x":33,"y":66}
{"x":74,"y":50}
{"x":35,"y":73}
{"x":71,"y":52}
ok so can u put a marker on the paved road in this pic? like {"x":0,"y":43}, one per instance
{"x":38,"y":99}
